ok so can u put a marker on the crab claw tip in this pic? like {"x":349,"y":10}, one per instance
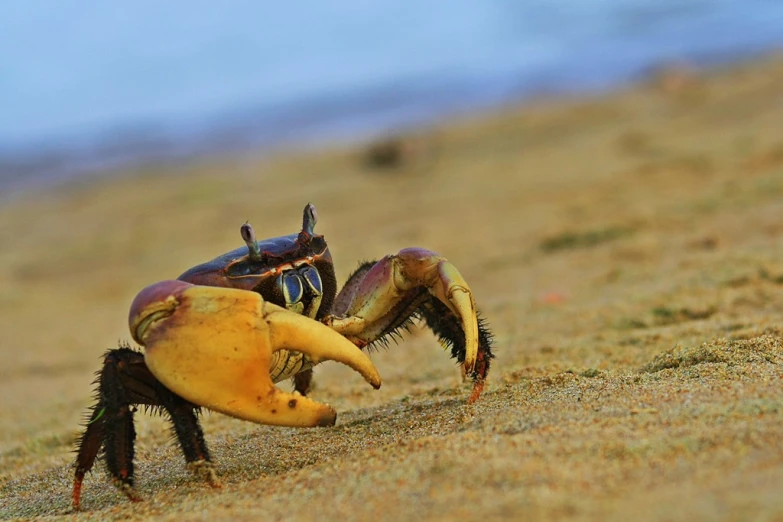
{"x":295,"y":332}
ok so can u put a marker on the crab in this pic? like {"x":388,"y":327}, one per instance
{"x":221,"y":335}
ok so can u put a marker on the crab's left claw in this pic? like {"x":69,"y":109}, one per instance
{"x":214,"y":347}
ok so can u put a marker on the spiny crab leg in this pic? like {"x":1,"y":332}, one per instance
{"x":386,"y":285}
{"x":214,"y":347}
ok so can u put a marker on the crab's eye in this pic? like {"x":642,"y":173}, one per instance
{"x":309,"y":219}
{"x":249,"y":235}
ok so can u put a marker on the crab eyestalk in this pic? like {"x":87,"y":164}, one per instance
{"x":309,"y":220}
{"x":249,"y":235}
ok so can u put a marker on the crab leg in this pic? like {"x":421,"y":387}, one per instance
{"x":214,"y":347}
{"x":373,"y":304}
{"x":125,"y":382}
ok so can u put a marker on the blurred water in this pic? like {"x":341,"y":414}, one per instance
{"x":83,"y":82}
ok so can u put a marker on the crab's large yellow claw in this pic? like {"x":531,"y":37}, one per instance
{"x":213,"y":347}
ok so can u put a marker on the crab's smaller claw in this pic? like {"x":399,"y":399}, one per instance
{"x":381,"y":298}
{"x":214,"y":346}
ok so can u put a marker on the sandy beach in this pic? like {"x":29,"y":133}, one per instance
{"x":626,"y":249}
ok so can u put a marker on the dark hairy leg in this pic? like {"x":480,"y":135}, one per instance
{"x":123,"y":383}
{"x":302,"y":381}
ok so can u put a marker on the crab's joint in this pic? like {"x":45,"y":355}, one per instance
{"x":151,"y":306}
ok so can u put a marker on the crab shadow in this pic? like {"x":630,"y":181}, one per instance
{"x":278,"y":451}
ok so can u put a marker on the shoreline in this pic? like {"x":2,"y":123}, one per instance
{"x":626,"y":249}
{"x":135,"y":147}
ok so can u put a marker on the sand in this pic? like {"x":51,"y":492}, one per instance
{"x":626,"y":249}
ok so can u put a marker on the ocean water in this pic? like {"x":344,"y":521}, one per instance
{"x":87,"y":84}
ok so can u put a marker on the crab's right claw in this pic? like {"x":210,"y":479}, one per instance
{"x":213,"y":346}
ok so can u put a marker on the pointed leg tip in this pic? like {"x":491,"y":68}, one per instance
{"x":76,"y":495}
{"x":478,"y":387}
